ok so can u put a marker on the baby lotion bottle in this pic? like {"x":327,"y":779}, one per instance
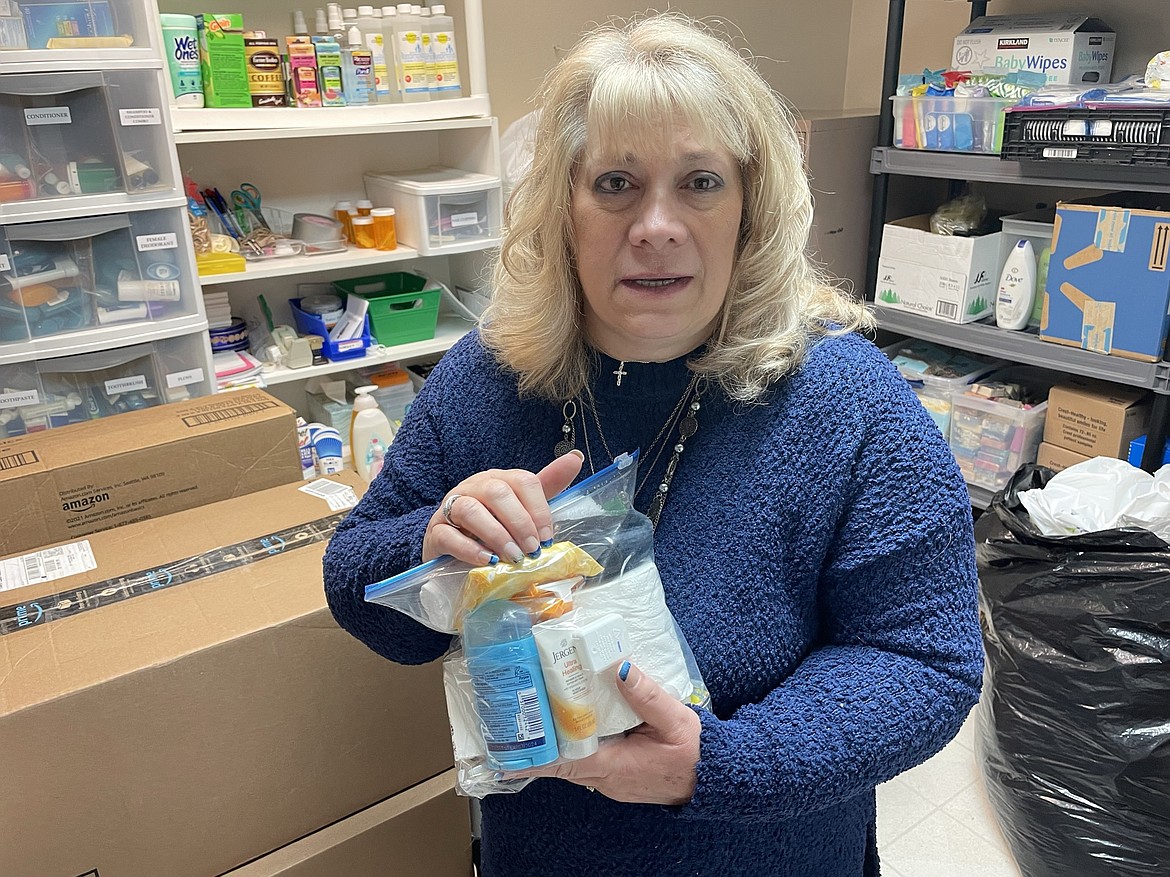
{"x":368,"y":427}
{"x":1017,"y":287}
{"x":510,"y":697}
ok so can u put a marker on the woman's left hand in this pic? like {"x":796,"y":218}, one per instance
{"x":654,"y":763}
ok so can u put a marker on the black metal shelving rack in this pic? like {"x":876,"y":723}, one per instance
{"x":1022,"y":347}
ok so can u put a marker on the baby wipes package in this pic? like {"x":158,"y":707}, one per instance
{"x":531,"y":677}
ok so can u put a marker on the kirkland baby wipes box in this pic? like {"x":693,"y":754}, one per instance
{"x":947,"y":277}
{"x":1108,"y":285}
{"x":87,"y":477}
{"x":177,"y":701}
{"x":1068,"y":49}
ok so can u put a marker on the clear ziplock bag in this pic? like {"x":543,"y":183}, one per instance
{"x":531,"y":677}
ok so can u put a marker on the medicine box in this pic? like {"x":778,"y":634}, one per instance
{"x":942,"y":276}
{"x":51,"y":393}
{"x":94,"y":277}
{"x":1094,"y":418}
{"x":440,"y":209}
{"x":83,"y":134}
{"x":1066,"y":48}
{"x":949,"y":124}
{"x":1108,"y":287}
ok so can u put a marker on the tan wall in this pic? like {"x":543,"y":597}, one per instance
{"x":520,"y":36}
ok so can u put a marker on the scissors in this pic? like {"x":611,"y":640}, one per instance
{"x":246,"y":199}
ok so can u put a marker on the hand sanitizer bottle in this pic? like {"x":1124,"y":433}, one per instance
{"x":1017,"y":287}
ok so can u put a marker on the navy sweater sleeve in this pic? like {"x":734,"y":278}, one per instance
{"x":899,"y":661}
{"x":383,"y":536}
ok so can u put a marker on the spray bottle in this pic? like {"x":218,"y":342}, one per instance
{"x":367,"y":427}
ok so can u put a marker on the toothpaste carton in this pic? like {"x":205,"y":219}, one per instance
{"x":1068,"y":49}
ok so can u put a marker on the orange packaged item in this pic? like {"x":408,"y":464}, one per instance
{"x":503,"y":581}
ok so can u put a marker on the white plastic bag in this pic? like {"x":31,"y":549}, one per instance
{"x":1101,"y":494}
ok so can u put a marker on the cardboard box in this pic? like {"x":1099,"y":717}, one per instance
{"x":947,"y":277}
{"x":160,"y":717}
{"x":1058,"y":459}
{"x":69,"y":482}
{"x":222,"y":59}
{"x":1066,"y":48}
{"x":424,"y":830}
{"x":1108,"y":286}
{"x":1095,"y":418}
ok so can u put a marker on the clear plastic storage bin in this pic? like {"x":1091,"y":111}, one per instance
{"x":991,"y":440}
{"x":74,"y":32}
{"x":949,"y":124}
{"x":71,"y":389}
{"x":439,"y":209}
{"x":1034,"y":225}
{"x":78,"y":135}
{"x":75,"y":275}
{"x":936,"y":373}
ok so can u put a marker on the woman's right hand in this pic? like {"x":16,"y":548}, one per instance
{"x":501,"y":513}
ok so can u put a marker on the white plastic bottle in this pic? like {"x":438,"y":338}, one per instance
{"x":371,"y":28}
{"x":411,"y":60}
{"x":1017,"y":287}
{"x":444,"y":81}
{"x":390,"y":47}
{"x":424,"y":34}
{"x":369,"y":432}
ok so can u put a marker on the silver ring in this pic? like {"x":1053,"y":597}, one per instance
{"x":446,"y":508}
{"x":590,"y":788}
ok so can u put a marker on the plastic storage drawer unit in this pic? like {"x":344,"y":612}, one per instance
{"x":404,"y":307}
{"x":949,"y":124}
{"x":83,"y":134}
{"x":74,"y":33}
{"x":76,"y":275}
{"x":71,"y":389}
{"x":440,"y":210}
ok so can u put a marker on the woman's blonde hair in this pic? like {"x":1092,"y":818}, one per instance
{"x":628,"y":81}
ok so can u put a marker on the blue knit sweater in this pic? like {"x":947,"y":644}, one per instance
{"x":817,"y":552}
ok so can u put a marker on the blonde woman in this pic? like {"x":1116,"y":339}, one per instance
{"x":812,"y":530}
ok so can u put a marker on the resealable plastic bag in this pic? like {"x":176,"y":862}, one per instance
{"x":1073,"y":730}
{"x":531,"y":677}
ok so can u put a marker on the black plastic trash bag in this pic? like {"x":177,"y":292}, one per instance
{"x":1073,"y":731}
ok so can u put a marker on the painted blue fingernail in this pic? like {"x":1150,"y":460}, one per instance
{"x":624,"y":671}
{"x":534,"y":554}
{"x":494,"y":559}
{"x":547,"y":543}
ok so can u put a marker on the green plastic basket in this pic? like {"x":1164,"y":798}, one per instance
{"x":402,"y":309}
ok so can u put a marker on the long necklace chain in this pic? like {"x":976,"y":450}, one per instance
{"x":687,"y":427}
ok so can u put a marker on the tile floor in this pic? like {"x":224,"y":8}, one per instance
{"x":936,"y":821}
